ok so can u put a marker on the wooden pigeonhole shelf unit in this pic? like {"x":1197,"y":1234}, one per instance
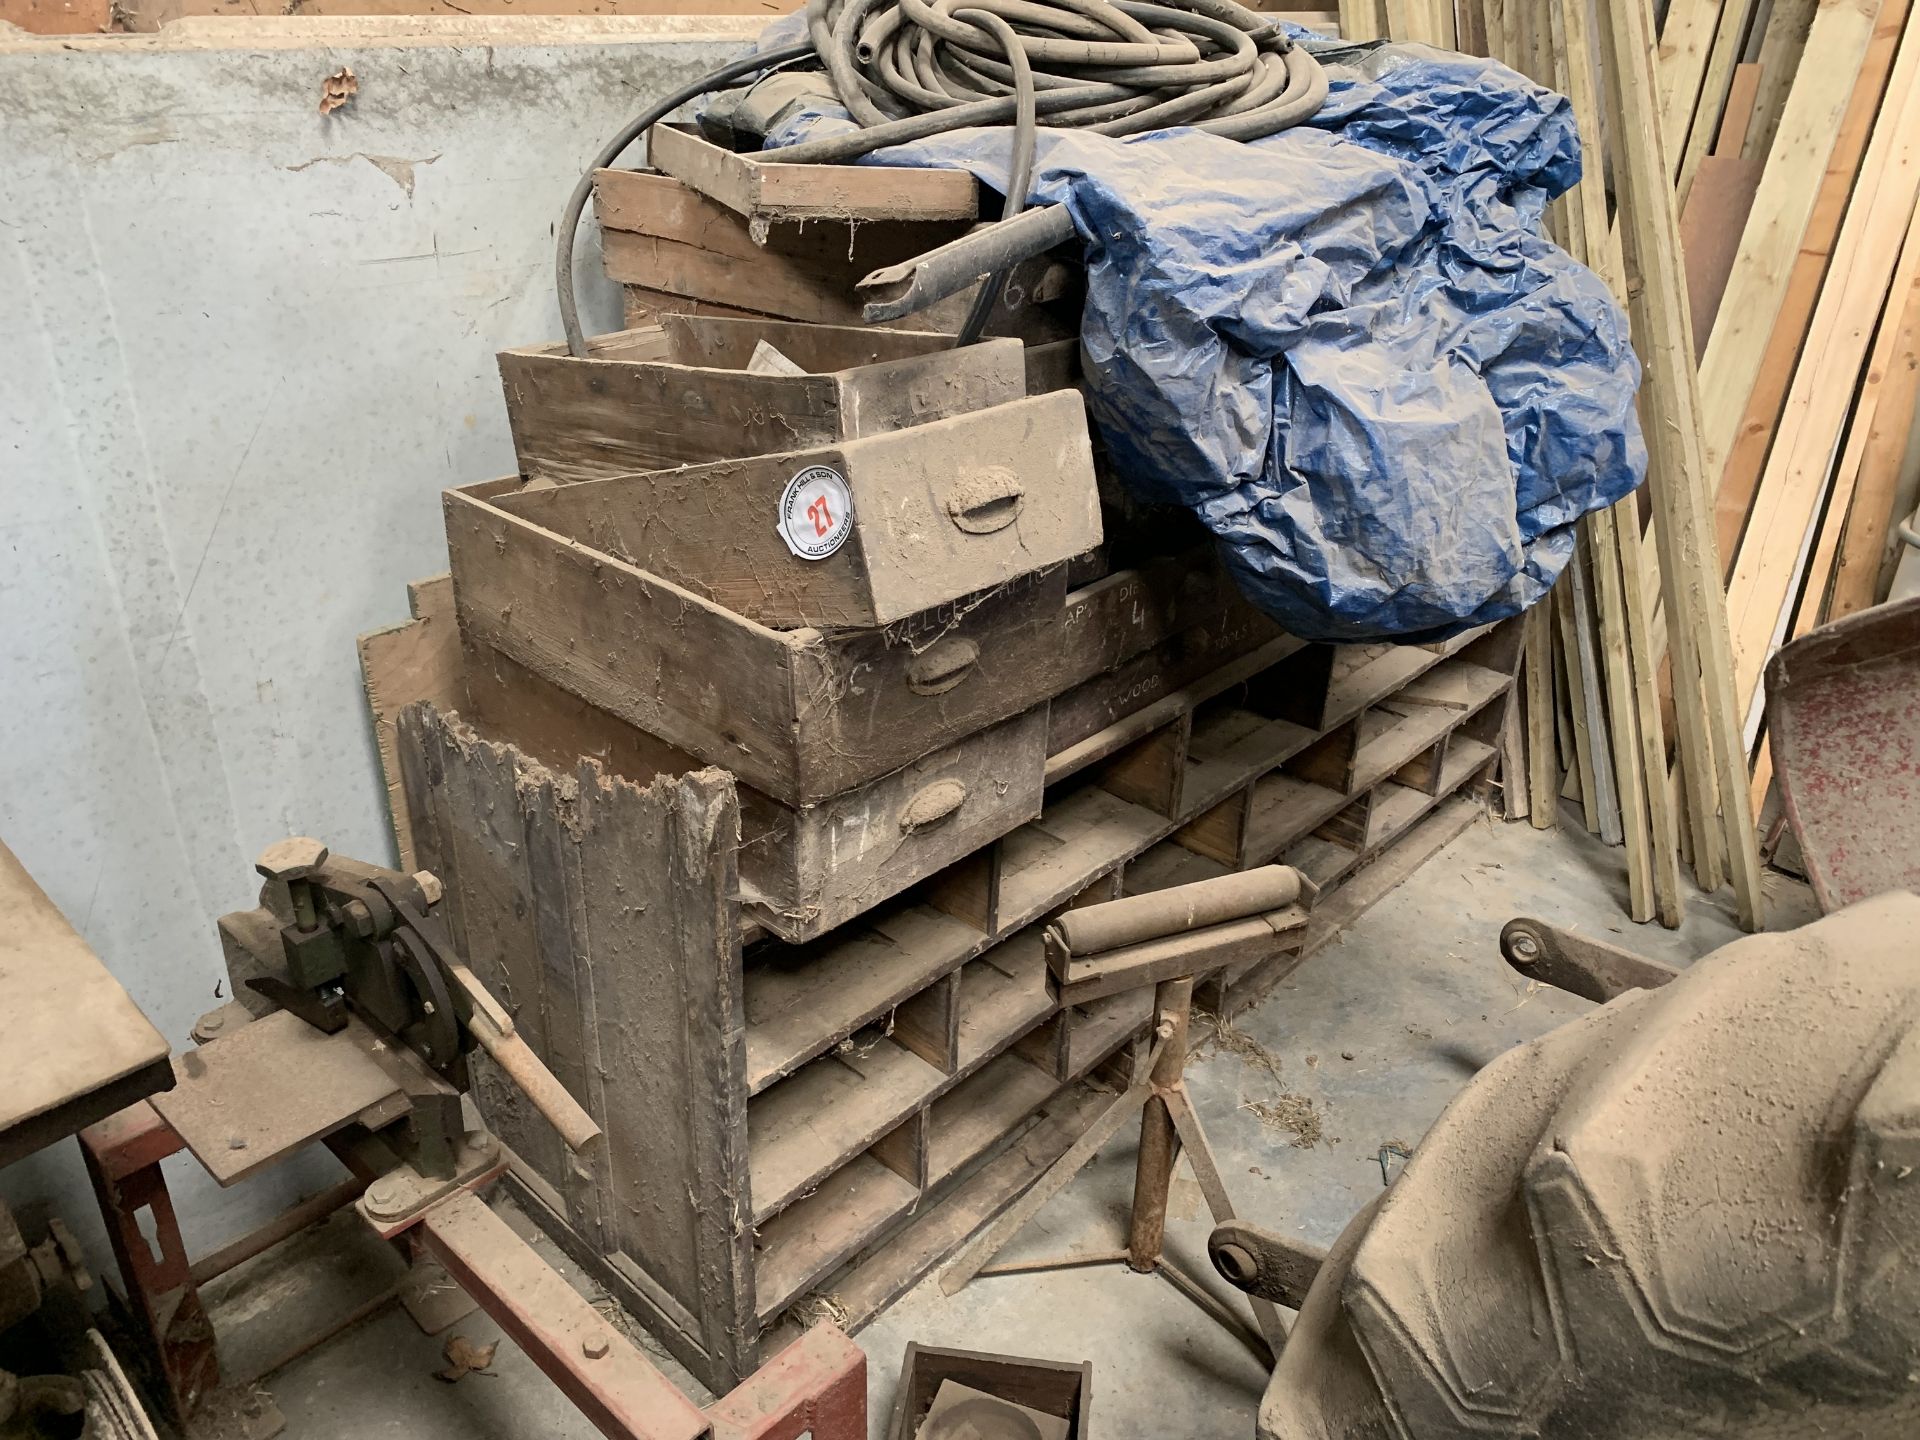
{"x":824,"y":1047}
{"x":824,"y":1122}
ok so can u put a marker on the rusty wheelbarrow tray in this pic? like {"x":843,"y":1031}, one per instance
{"x":1843,"y":714}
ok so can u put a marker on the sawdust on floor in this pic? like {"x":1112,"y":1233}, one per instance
{"x":1220,"y":1033}
{"x":1296,"y":1115}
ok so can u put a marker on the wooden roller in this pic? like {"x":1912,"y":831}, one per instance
{"x":1160,"y":913}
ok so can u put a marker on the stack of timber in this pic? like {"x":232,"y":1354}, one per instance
{"x":1763,"y":160}
{"x":760,"y":851}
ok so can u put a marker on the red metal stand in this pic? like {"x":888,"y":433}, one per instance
{"x":123,"y":1154}
{"x":816,"y":1387}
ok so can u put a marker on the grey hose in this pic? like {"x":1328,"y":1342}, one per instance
{"x":910,"y":69}
{"x":565,"y":237}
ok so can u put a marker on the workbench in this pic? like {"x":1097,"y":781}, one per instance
{"x":77,"y":1048}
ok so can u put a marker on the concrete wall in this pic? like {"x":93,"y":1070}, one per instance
{"x":243,"y":347}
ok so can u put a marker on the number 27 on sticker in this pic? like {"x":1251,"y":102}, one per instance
{"x":821,"y":514}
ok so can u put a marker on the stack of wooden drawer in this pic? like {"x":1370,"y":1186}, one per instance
{"x":758,"y":849}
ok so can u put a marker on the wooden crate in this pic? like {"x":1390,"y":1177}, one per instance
{"x":897,"y":522}
{"x":1049,"y":1386}
{"x":676,"y":251}
{"x":679,"y":392}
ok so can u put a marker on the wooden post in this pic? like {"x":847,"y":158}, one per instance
{"x":1159,"y":1141}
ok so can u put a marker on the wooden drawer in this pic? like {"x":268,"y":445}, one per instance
{"x":804,"y":870}
{"x":865,"y":532}
{"x":800,"y":715}
{"x":680,"y":393}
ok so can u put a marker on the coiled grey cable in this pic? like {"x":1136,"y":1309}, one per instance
{"x":910,"y":69}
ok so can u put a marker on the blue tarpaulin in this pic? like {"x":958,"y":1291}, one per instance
{"x":1346,"y":347}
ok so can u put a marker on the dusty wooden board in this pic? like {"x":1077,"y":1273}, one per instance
{"x":77,"y":1048}
{"x":974,"y":1117}
{"x":807,"y":1240}
{"x":1870,"y":523}
{"x":762,"y":190}
{"x":418,"y":659}
{"x":1887,"y":384}
{"x":811,"y":1124}
{"x":1160,"y":675}
{"x":1782,"y":44}
{"x":903,"y":520}
{"x":1686,"y":46}
{"x":1746,"y":455}
{"x":1003,"y":994}
{"x":248,"y":1100}
{"x":641,"y":202}
{"x":939,"y":1230}
{"x":817,"y":867}
{"x":1727,"y":91}
{"x":1362,"y":20}
{"x":800,"y":1003}
{"x":1799,"y":466}
{"x":620,"y":963}
{"x":1782,"y":206}
{"x":1621,"y":589}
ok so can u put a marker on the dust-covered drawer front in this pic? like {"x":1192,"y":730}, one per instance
{"x":806,"y":869}
{"x":800,"y":715}
{"x":859,"y":533}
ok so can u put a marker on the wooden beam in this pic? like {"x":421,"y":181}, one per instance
{"x":1888,"y":438}
{"x":1362,"y":20}
{"x":1781,"y":208}
{"x":1748,"y":443}
{"x":1720,"y":91}
{"x":1543,"y":780}
{"x":1785,"y":43}
{"x":1686,"y":48}
{"x":1639,"y":742}
{"x":1571,"y":675}
{"x":1772,"y":550}
{"x":1890,"y":368}
{"x":1671,"y":407}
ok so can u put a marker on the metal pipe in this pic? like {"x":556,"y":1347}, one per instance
{"x":283,"y":1226}
{"x":902,"y":289}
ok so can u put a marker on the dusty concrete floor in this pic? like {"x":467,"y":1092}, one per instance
{"x":1378,"y":1031}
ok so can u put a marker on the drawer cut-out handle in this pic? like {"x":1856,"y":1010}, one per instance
{"x":941,"y":668}
{"x":986,"y":501}
{"x":937,"y":802}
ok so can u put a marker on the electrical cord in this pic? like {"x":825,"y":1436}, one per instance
{"x":566,"y":291}
{"x":909,"y":69}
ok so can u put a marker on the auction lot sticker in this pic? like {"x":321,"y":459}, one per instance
{"x":816,"y":512}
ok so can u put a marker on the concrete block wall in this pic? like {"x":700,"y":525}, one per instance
{"x":243,"y":347}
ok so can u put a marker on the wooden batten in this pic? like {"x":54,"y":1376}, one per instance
{"x":1672,"y":405}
